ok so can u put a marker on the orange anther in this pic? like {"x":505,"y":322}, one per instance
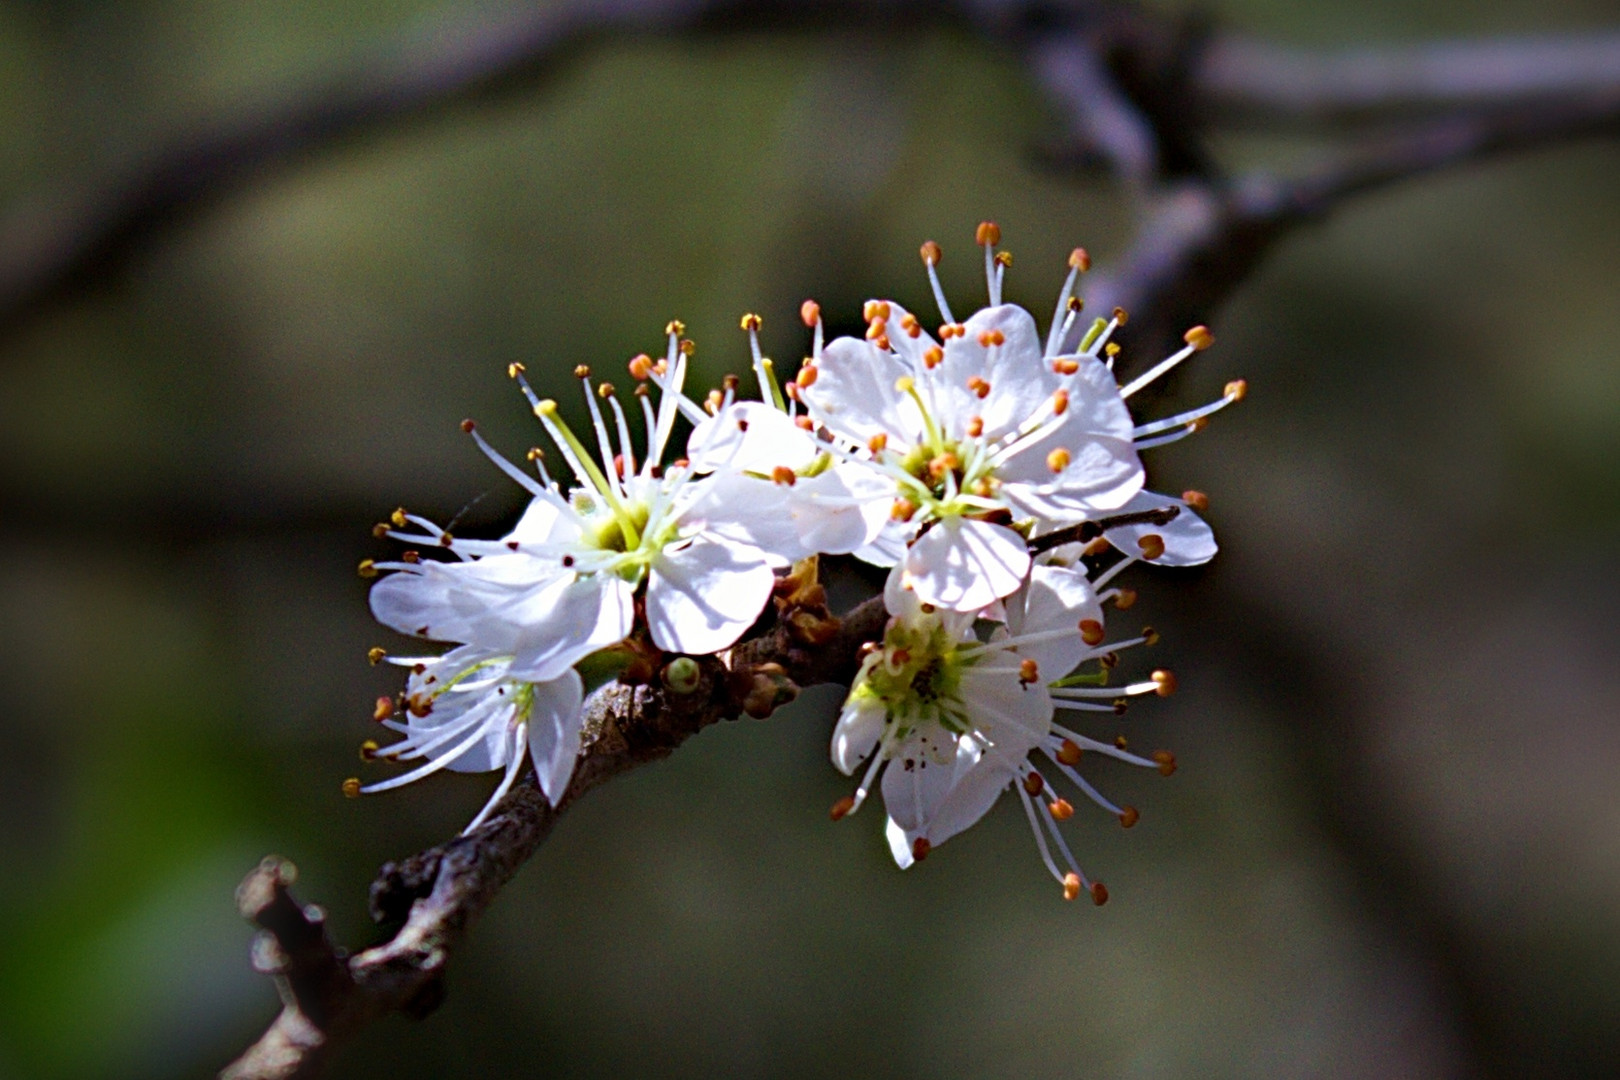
{"x":920,"y":848}
{"x":1091,"y":632}
{"x":1058,"y":460}
{"x":1034,"y":783}
{"x":932,"y":356}
{"x":467,"y":427}
{"x":1069,"y":752}
{"x":1124,"y":599}
{"x":1166,"y":761}
{"x":903,"y":510}
{"x":1099,"y":894}
{"x":930,"y":252}
{"x":384,"y":709}
{"x":1061,"y":809}
{"x":1065,"y":366}
{"x":975,"y":427}
{"x":1165,"y":681}
{"x":688,"y":347}
{"x":784,"y":476}
{"x":875,"y":310}
{"x":1028,"y":671}
{"x":878,"y":329}
{"x":877,"y":442}
{"x":1060,"y":402}
{"x":810,"y":313}
{"x":1196,"y":499}
{"x":1079,"y":260}
{"x":1237,"y":389}
{"x":992,"y":337}
{"x":807,"y":375}
{"x":988,"y":232}
{"x":979,"y":386}
{"x":1071,"y":886}
{"x":1152,"y":546}
{"x":882,"y":342}
{"x":842,"y":807}
{"x":1128,"y":816}
{"x":1096,"y":547}
{"x":1199,"y":337}
{"x":909,"y":323}
{"x":804,"y":423}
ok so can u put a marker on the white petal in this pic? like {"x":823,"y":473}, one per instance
{"x":1101,"y":476}
{"x":701,"y":597}
{"x":1020,"y":378}
{"x":568,"y":621}
{"x":461,"y":601}
{"x":1057,"y":598}
{"x":554,"y":732}
{"x":919,"y":775}
{"x":856,"y":734}
{"x":974,"y":793}
{"x":1013,"y":716}
{"x":750,"y":436}
{"x":1188,"y":539}
{"x":900,"y":843}
{"x":546,"y":520}
{"x":854,"y":394}
{"x":964,"y":565}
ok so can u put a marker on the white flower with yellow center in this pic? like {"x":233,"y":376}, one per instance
{"x":464,"y":712}
{"x":567,"y":580}
{"x":986,"y":435}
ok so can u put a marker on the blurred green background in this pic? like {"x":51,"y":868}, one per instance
{"x":1393,"y":848}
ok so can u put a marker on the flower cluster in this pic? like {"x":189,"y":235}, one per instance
{"x":995,"y":471}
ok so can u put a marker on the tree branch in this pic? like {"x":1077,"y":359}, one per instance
{"x":1241,"y":78}
{"x":436,"y":895}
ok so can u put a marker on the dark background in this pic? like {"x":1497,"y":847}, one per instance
{"x":1393,"y":848}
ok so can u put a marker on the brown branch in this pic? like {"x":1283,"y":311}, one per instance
{"x":1087,"y":531}
{"x":435,"y":895}
{"x":1242,"y":78}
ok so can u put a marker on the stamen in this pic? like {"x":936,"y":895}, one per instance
{"x":513,"y":767}
{"x":1079,"y":261}
{"x":1040,"y":833}
{"x":931,"y":254}
{"x":1156,"y":370}
{"x":527,"y":482}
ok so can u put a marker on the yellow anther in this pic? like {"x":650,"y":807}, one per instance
{"x":398,"y":517}
{"x":1152,"y":546}
{"x":1076,"y":304}
{"x":751,"y":321}
{"x":606,"y":390}
{"x":1003,"y":258}
{"x":514,"y":370}
{"x":582,"y":371}
{"x":368,"y":750}
{"x":905,"y":384}
{"x":1096,"y":547}
{"x":988,"y":232}
{"x":930,"y":252}
{"x":351,"y":788}
{"x":688,"y":347}
{"x":875,"y":310}
{"x":1121,"y":316}
{"x":376,"y":655}
{"x":368,"y":568}
{"x":877,"y":442}
{"x":676,"y":327}
{"x":1237,"y":389}
{"x":535,"y":454}
{"x":1111,"y":349}
{"x":1058,"y":460}
{"x":1125,"y":599}
{"x":1150,"y":636}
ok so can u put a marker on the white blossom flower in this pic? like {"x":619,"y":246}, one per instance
{"x":569,"y":578}
{"x":465,"y":712}
{"x":986,"y":428}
